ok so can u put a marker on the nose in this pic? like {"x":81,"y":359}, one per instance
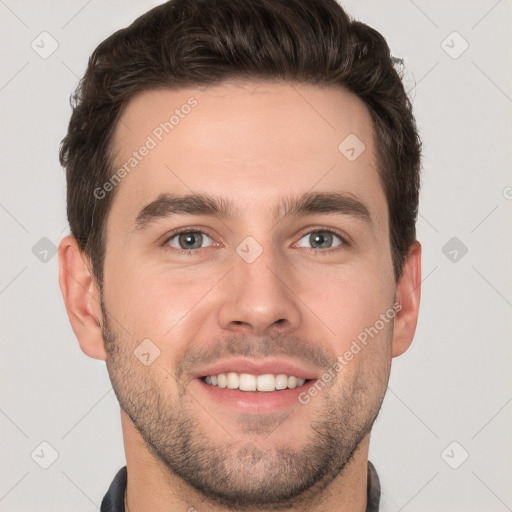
{"x":259,"y":298}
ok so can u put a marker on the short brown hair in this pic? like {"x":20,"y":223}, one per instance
{"x":202,"y":42}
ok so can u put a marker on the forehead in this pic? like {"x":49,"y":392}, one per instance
{"x":251,"y":141}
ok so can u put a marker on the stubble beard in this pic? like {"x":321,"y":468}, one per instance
{"x":238,"y":474}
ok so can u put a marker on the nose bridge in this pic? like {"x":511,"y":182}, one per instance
{"x":257,"y":296}
{"x":259,"y":269}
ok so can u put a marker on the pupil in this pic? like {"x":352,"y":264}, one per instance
{"x":321,"y":240}
{"x":189,"y":240}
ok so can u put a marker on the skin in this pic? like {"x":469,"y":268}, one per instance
{"x":253,"y":143}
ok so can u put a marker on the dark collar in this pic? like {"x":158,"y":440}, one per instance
{"x":373,"y":496}
{"x":114,"y":499}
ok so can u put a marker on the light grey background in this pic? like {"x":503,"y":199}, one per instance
{"x":454,"y":383}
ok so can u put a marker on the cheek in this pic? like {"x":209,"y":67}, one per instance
{"x":157,"y":302}
{"x":348,"y":302}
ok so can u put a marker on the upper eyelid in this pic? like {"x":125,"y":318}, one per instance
{"x":330,"y":230}
{"x":187,"y":229}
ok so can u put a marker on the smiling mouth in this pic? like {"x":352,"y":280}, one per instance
{"x":248,"y":382}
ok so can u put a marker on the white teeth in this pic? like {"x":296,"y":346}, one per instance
{"x":232,"y":380}
{"x":221,"y":380}
{"x":292,"y":382}
{"x":248,"y":382}
{"x":281,"y":381}
{"x":266,"y":382}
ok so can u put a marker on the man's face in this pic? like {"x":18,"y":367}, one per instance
{"x":259,"y":290}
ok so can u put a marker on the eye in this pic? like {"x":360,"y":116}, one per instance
{"x":321,"y":239}
{"x":187,"y":240}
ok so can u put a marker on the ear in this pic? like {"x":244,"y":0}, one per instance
{"x":408,"y":296}
{"x":82,"y":298}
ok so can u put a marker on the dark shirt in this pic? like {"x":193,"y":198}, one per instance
{"x":114,"y":499}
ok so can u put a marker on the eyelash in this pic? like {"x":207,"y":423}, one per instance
{"x":192,"y":252}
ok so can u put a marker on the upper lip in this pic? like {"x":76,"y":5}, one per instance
{"x":256,"y":367}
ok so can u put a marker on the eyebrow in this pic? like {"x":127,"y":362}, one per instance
{"x":167,"y":205}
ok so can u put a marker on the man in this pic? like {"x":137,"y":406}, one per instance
{"x":243,"y":184}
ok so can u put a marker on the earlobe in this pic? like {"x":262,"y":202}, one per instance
{"x":408,"y":296}
{"x":81,"y":298}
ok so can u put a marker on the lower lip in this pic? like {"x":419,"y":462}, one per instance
{"x":255,"y":401}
